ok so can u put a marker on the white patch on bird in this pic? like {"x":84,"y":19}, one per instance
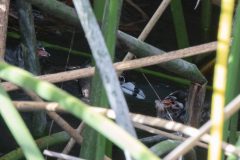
{"x":85,"y":93}
{"x":197,"y":4}
{"x":3,"y":8}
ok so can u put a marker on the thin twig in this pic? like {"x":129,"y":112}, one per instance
{"x":230,"y":109}
{"x":72,"y":142}
{"x":162,"y":133}
{"x":37,"y":106}
{"x":128,"y":65}
{"x":144,"y":15}
{"x":59,"y":120}
{"x":65,"y":126}
{"x":60,"y":155}
{"x":150,"y":25}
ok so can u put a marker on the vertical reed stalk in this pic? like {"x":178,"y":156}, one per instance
{"x":219,"y":84}
{"x":206,"y":13}
{"x":3,"y":26}
{"x":179,"y":24}
{"x":233,"y":78}
{"x":111,"y":18}
{"x":109,"y":15}
{"x":93,"y":146}
{"x":31,"y":61}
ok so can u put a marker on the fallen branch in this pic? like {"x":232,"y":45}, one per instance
{"x":122,"y":66}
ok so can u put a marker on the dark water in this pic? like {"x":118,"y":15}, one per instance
{"x":162,"y":36}
{"x":146,"y":106}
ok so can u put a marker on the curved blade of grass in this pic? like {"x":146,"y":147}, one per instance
{"x":104,"y":64}
{"x":18,"y":128}
{"x":79,"y":109}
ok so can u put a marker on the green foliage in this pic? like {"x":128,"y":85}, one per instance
{"x":79,"y":109}
{"x":18,"y":128}
{"x":179,"y":24}
{"x":42,"y":143}
{"x":233,"y":78}
{"x":164,"y":147}
{"x":108,"y":12}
